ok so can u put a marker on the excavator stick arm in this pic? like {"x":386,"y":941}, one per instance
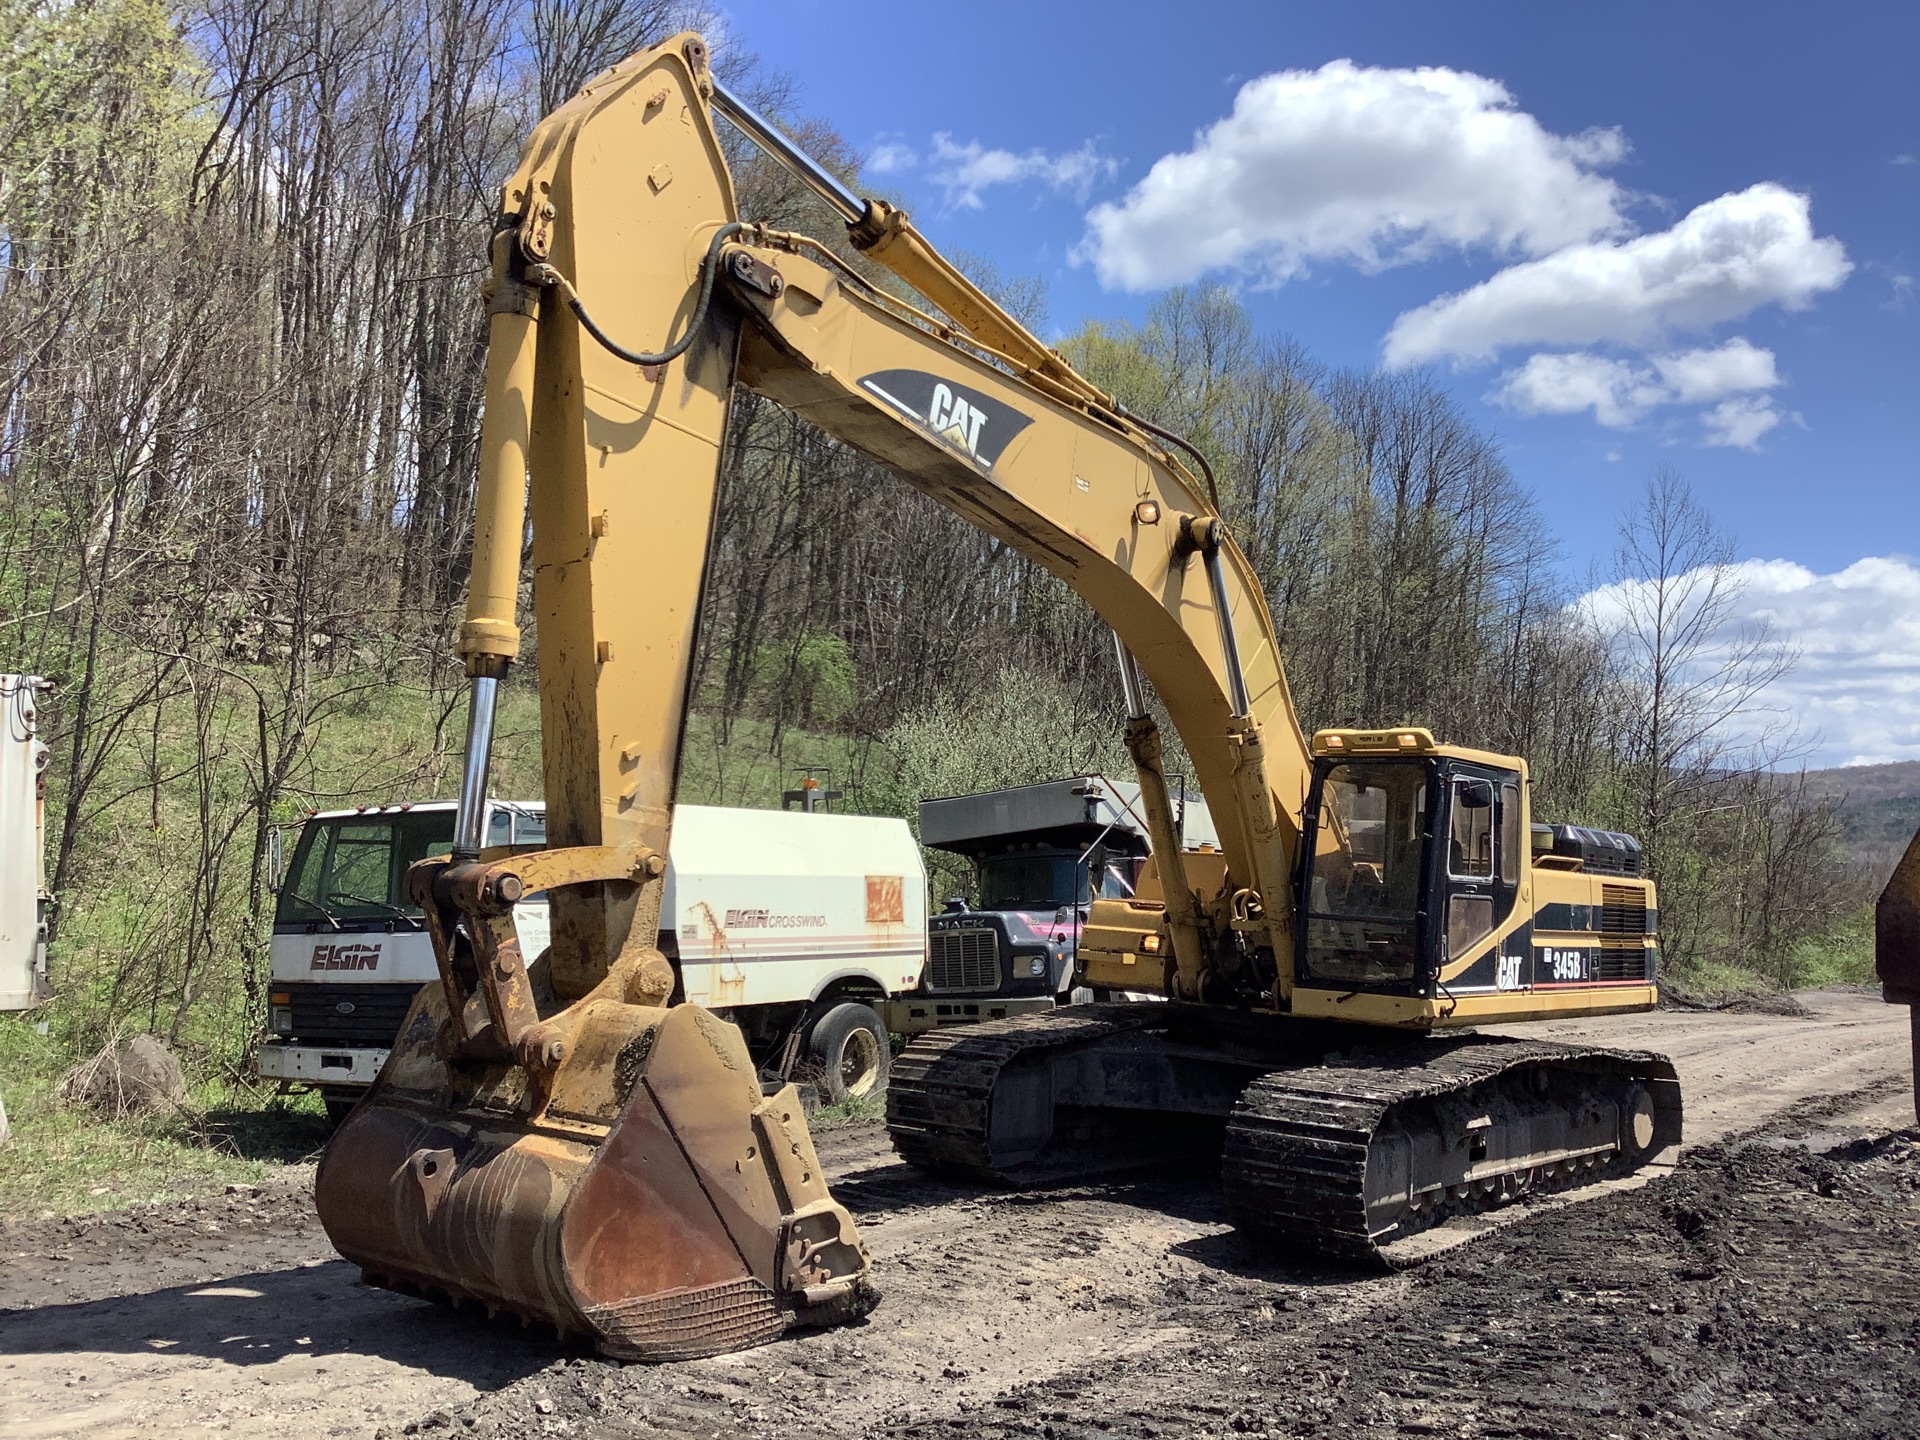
{"x":548,"y":1137}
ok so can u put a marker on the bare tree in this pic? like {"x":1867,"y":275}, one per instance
{"x":1698,"y":672}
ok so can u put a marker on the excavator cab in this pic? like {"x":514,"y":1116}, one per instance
{"x":1414,"y":858}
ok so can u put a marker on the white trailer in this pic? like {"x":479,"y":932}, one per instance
{"x":24,"y":901}
{"x":796,"y":926}
{"x":23,"y":883}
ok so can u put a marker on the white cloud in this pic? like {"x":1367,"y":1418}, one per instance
{"x":1740,"y":422}
{"x":1725,"y":259}
{"x":1697,"y":376}
{"x":1855,"y":689}
{"x":891,"y":157}
{"x":1375,"y":167}
{"x":1617,"y":391}
{"x":964,"y":171}
{"x":1621,"y":392}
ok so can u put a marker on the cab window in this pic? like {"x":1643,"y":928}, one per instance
{"x":1032,"y":882}
{"x":1364,"y":890}
{"x":1509,"y":834}
{"x":1470,"y":837}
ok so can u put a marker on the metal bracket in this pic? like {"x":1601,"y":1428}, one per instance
{"x":756,"y":274}
{"x":536,"y":223}
{"x":493,"y":1015}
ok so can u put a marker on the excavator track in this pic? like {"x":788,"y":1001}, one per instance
{"x":1344,"y":1153}
{"x":941,"y":1091}
{"x":1351,"y":1160}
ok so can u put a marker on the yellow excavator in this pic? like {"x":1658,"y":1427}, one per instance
{"x":553,"y":1137}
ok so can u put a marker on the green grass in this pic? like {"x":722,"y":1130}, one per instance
{"x":1842,"y":957}
{"x":65,"y":1160}
{"x":854,"y":1110}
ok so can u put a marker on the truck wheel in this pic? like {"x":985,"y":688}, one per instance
{"x":848,"y":1046}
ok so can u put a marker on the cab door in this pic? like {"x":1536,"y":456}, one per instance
{"x":1471,"y":867}
{"x":1479,"y":861}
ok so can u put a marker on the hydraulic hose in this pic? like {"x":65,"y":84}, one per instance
{"x":1213,"y":489}
{"x":709,"y":266}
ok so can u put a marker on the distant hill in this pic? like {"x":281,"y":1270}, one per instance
{"x":1879,"y":809}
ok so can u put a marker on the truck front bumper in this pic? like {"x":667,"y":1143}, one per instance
{"x":354,"y":1065}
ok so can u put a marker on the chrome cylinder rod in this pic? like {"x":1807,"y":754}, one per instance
{"x":811,"y":172}
{"x":1130,"y":686}
{"x":1229,"y":645}
{"x":470,"y":820}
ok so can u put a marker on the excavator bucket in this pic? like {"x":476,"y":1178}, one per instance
{"x":1896,"y":946}
{"x":643,"y":1193}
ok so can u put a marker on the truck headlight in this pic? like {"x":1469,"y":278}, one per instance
{"x":1037,"y":965}
{"x":280,"y":1019}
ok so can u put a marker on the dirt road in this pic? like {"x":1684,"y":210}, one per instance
{"x":1760,"y":1290}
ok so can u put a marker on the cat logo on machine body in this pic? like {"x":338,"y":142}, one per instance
{"x":977,"y":425}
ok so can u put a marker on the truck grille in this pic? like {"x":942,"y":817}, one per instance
{"x":963,"y":960}
{"x":374,"y":1018}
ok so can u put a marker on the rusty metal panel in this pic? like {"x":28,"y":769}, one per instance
{"x":1896,"y":930}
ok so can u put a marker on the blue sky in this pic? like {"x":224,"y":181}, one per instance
{"x":1621,"y":235}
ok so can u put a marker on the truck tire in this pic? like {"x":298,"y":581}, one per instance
{"x":850,"y":1052}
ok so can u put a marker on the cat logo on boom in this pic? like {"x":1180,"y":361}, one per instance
{"x":977,"y":425}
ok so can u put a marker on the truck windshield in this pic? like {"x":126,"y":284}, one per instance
{"x":1363,"y":897}
{"x":1047,"y":882}
{"x":353,"y":869}
{"x":1031,"y":882}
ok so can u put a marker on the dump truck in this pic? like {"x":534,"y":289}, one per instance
{"x":560,"y":1140}
{"x":795,"y":926}
{"x":1041,"y":854}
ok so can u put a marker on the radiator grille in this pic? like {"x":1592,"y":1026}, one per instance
{"x":963,"y":960}
{"x":1623,"y":910}
{"x":375,"y":1018}
{"x":1622,"y":959}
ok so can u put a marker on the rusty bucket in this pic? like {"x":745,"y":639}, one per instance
{"x":644,"y":1193}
